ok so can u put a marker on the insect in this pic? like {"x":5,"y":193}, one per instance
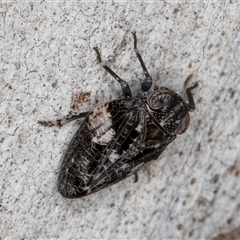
{"x":120,"y":137}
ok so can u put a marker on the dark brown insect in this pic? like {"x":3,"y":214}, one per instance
{"x":120,"y":137}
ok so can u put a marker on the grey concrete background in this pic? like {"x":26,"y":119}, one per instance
{"x":192,"y":191}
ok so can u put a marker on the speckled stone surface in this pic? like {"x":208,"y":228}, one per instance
{"x":192,"y":190}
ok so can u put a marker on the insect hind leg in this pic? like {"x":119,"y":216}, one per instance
{"x":191,"y":103}
{"x":64,"y":120}
{"x":125,"y":87}
{"x":147,"y":83}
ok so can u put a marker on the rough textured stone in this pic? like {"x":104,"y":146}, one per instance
{"x":192,"y":191}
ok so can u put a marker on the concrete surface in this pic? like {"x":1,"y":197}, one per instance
{"x":192,"y":191}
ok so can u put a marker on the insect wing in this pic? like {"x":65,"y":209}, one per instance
{"x":88,"y":155}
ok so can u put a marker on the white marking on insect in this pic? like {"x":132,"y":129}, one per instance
{"x":113,"y":156}
{"x":87,"y":188}
{"x":100,"y":121}
{"x":123,"y":167}
{"x":157,"y":145}
{"x":105,"y":138}
{"x":86,"y":178}
{"x":139,"y":128}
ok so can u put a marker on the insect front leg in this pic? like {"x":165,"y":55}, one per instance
{"x":125,"y":87}
{"x":147,"y":83}
{"x":191,"y":103}
{"x":63,"y":121}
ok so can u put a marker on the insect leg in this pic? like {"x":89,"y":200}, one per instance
{"x":135,"y":177}
{"x":147,"y":83}
{"x":125,"y":87}
{"x":191,"y":104}
{"x":63,"y":121}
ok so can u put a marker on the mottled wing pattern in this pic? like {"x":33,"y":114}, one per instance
{"x":87,"y":155}
{"x":114,"y":141}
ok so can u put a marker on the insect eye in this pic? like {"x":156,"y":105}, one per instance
{"x":160,"y":99}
